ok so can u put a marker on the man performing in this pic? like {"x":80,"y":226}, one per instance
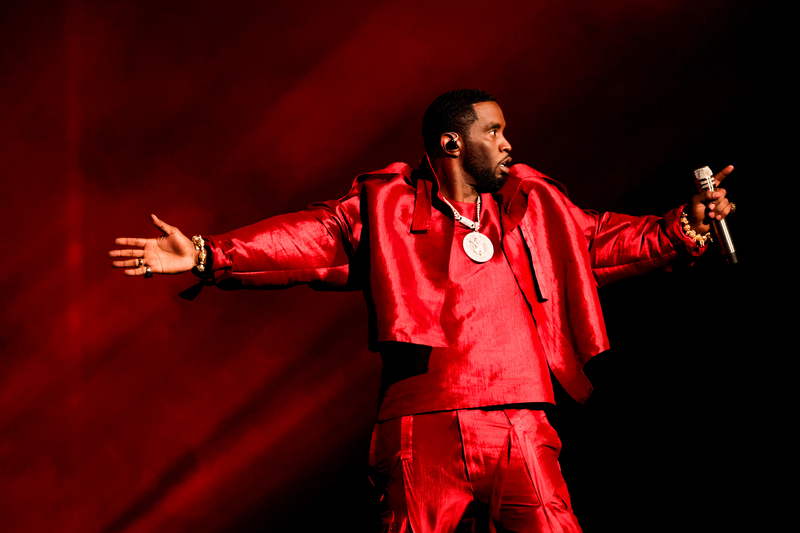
{"x":480,"y":280}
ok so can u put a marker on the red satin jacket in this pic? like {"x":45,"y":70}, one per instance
{"x":377,"y":239}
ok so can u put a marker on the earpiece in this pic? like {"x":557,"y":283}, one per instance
{"x":452,"y":144}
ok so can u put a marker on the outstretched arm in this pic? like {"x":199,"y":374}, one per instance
{"x":171,"y":253}
{"x":622,"y":245}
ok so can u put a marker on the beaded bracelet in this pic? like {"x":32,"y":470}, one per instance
{"x":200,"y":244}
{"x":692,"y":234}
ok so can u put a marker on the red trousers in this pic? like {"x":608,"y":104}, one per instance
{"x":481,"y":470}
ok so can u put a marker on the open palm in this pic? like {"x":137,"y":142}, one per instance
{"x":171,"y":253}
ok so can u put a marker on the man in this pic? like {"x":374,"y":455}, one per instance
{"x":480,"y":279}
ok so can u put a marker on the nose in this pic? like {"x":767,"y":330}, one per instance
{"x":505,"y":146}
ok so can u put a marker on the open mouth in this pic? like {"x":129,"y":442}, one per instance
{"x":505,"y":165}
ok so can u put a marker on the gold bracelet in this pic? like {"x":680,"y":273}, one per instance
{"x":200,"y":244}
{"x":692,"y":234}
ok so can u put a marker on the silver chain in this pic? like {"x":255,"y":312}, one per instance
{"x":474,"y":226}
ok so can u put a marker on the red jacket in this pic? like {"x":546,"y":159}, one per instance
{"x":376,"y":239}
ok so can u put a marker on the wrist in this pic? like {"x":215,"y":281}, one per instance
{"x":200,"y":253}
{"x":699,"y":233}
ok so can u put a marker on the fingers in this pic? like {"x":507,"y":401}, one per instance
{"x":136,"y":263}
{"x":130,"y":241}
{"x":719,"y":210}
{"x":131,"y":263}
{"x":139,"y":241}
{"x":135,"y":266}
{"x":130,"y":252}
{"x":722,"y":174}
{"x":719,"y":206}
{"x":715,"y":204}
{"x":714,"y":197}
{"x":140,"y":271}
{"x":165,"y":228}
{"x":723,"y":209}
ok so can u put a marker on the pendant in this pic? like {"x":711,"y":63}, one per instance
{"x":478,"y":247}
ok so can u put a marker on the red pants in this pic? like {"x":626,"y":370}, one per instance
{"x":471,"y":470}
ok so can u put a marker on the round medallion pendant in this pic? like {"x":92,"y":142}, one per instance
{"x":478,"y":247}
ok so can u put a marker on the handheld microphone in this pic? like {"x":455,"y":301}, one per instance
{"x":705,"y":181}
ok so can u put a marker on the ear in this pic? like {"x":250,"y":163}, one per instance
{"x":450,"y":144}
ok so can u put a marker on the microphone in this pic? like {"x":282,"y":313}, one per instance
{"x":705,"y":181}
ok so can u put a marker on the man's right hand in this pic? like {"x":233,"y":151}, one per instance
{"x":171,"y":253}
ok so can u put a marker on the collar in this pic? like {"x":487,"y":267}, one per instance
{"x":427,"y":186}
{"x":513,"y":203}
{"x":510,"y":197}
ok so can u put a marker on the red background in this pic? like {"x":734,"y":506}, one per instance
{"x":126,"y":408}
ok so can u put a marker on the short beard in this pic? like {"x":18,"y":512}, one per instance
{"x":482,"y":172}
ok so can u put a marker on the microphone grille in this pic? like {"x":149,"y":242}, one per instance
{"x":704,"y":179}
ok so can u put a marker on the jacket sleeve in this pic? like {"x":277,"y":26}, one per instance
{"x":315,"y":246}
{"x":622,"y":245}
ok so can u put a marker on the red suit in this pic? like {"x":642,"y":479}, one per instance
{"x":391,"y":237}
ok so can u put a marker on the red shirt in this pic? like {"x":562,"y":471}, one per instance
{"x":493,"y":355}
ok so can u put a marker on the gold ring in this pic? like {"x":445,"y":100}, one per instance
{"x":733,"y":207}
{"x":141,"y":262}
{"x":148,"y":273}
